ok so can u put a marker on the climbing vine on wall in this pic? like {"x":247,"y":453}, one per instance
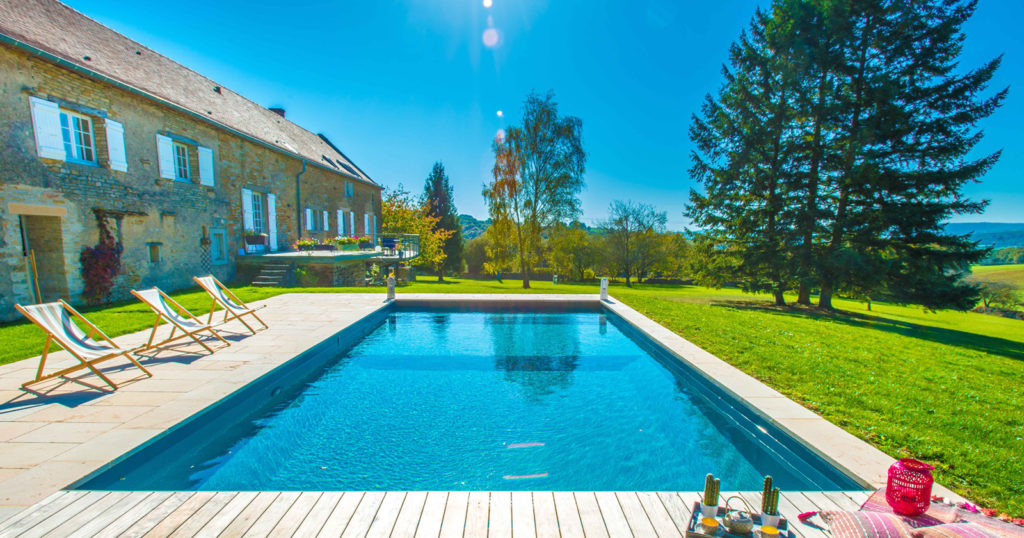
{"x":101,"y":263}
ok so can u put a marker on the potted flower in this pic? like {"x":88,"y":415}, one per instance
{"x":366,"y":243}
{"x":305,"y":244}
{"x":709,"y":501}
{"x":769,"y":504}
{"x":345,"y":243}
{"x":253,"y":237}
{"x":323,"y":245}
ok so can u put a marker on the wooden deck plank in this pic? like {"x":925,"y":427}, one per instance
{"x":201,"y":517}
{"x":611,"y":512}
{"x":84,"y":516}
{"x":568,"y":515}
{"x":841,"y":500}
{"x":659,"y":516}
{"x":66,"y":513}
{"x":817,"y":499}
{"x":338,"y":520}
{"x":175,"y":518}
{"x":272,"y":514}
{"x":49,"y":505}
{"x":98,"y":522}
{"x":319,"y":513}
{"x":590,"y":515}
{"x":409,"y":517}
{"x":433,"y":515}
{"x":153,"y":518}
{"x":252,"y":512}
{"x":362,"y":518}
{"x":678,"y":510}
{"x":499,"y":521}
{"x":523,"y":524}
{"x":454,"y":522}
{"x":477,"y":514}
{"x":220,"y":521}
{"x":295,"y":515}
{"x":387,"y":514}
{"x":544,"y":514}
{"x":636,"y":517}
{"x":122,"y":522}
{"x":790,"y":507}
{"x":859,"y":497}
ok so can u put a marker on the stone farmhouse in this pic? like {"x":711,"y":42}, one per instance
{"x":95,"y":127}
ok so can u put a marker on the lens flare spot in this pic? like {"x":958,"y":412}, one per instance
{"x":488,"y":3}
{"x":490,"y":37}
{"x":501,"y":114}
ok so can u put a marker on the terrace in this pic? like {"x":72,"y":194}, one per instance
{"x":65,"y":431}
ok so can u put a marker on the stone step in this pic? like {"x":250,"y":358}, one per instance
{"x":273,"y":271}
{"x":265,"y":283}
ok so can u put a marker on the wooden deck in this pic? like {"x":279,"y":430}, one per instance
{"x":518,"y":514}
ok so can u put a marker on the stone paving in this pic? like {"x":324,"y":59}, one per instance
{"x":63,"y":430}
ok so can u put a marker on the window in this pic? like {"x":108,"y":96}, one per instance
{"x":218,"y":246}
{"x":258,"y":214}
{"x":154,"y":252}
{"x":181,"y":171}
{"x":348,"y":188}
{"x":76,"y":131}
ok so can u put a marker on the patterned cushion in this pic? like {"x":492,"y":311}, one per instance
{"x":865,"y":525}
{"x":936,"y":514}
{"x":953,"y":530}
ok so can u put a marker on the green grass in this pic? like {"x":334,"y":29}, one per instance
{"x":946,"y":387}
{"x":1013,"y":274}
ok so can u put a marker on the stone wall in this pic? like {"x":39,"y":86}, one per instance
{"x":174,"y":218}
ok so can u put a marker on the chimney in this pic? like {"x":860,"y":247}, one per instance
{"x":277,"y":110}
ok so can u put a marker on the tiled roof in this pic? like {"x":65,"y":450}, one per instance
{"x":56,"y":29}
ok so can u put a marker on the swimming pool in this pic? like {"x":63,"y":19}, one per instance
{"x":477,"y":398}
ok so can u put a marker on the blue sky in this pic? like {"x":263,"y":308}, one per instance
{"x":399,"y":85}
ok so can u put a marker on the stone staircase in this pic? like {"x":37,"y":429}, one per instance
{"x":271,"y":275}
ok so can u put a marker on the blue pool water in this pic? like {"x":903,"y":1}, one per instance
{"x":451,"y":400}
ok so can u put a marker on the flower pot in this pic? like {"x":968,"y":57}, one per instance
{"x":366,"y":245}
{"x":324,"y":247}
{"x":305,"y":248}
{"x":708,"y":510}
{"x":350,"y":247}
{"x":768,"y":520}
{"x":255,"y":239}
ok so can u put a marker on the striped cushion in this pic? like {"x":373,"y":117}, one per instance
{"x":865,"y":525}
{"x":953,"y":530}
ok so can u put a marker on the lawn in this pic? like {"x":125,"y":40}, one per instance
{"x":1013,"y":274}
{"x":946,"y":387}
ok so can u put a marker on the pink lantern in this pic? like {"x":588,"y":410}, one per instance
{"x":909,"y":491}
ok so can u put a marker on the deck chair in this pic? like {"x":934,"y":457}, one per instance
{"x":56,"y":320}
{"x":233,"y":307}
{"x":169,"y":310}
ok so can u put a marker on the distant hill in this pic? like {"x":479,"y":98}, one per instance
{"x":471,"y":227}
{"x":991,"y":234}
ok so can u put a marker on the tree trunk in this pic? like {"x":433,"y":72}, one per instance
{"x":526,"y":275}
{"x":780,"y":300}
{"x":440,"y":277}
{"x":628,"y":285}
{"x":825,"y":298}
{"x":804,"y":296}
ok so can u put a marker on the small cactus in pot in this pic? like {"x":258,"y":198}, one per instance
{"x":709,"y":502}
{"x":769,"y":504}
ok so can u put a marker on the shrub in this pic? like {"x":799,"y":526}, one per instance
{"x":100,"y":264}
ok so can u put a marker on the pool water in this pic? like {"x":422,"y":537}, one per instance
{"x":451,"y":400}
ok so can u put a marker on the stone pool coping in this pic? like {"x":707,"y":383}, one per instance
{"x":65,"y":431}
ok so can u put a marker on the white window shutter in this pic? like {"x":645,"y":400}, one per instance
{"x":46,"y":124}
{"x":205,"y":166}
{"x":366,"y":224}
{"x":309,"y":219}
{"x":340,"y":215}
{"x":165,"y":160}
{"x":352,"y":222}
{"x":327,"y":224}
{"x":246,"y":209}
{"x":375,"y":228}
{"x":272,"y":221}
{"x":115,"y":145}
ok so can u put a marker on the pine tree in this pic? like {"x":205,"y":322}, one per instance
{"x":437,"y":195}
{"x":745,"y":158}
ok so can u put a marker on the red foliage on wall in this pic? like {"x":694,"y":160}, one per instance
{"x":101,"y":264}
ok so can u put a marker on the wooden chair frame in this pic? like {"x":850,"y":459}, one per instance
{"x":175,"y":326}
{"x":84,"y":363}
{"x":229,"y":312}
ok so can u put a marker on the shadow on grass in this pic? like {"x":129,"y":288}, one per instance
{"x":975,"y":342}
